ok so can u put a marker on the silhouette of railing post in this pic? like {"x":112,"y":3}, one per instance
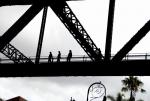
{"x":127,"y":56}
{"x":146,"y":56}
{"x":84,"y":58}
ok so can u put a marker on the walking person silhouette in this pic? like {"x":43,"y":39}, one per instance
{"x":69,"y":56}
{"x":50,"y":57}
{"x":59,"y":56}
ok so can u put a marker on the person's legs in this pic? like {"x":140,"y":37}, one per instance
{"x":69,"y":59}
{"x":58,"y":60}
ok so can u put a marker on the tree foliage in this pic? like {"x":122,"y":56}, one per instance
{"x":132,"y":84}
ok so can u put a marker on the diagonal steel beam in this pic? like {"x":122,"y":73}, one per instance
{"x":15,"y":55}
{"x":132,"y":42}
{"x":19,"y":25}
{"x":71,"y":22}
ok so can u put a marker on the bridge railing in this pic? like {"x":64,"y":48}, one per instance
{"x":64,"y":59}
{"x":82,"y":58}
{"x":136,"y":56}
{"x":44,"y":59}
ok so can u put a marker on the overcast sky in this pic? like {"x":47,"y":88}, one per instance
{"x":62,"y":88}
{"x":130,"y":16}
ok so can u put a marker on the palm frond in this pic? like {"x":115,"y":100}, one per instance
{"x":143,"y":90}
{"x":124,"y":89}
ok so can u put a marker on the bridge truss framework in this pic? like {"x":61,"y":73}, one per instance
{"x":70,"y":21}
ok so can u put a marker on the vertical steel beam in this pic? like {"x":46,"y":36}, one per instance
{"x":132,"y":42}
{"x":109,"y":30}
{"x":41,"y":36}
{"x":19,"y":25}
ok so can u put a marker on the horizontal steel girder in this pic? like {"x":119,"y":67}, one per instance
{"x":30,"y":2}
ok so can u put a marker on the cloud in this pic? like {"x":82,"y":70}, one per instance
{"x":61,"y":88}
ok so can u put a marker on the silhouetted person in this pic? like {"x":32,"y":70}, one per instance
{"x":69,"y":56}
{"x":59,"y":56}
{"x":50,"y":57}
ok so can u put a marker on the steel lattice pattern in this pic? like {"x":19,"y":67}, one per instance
{"x":76,"y":29}
{"x":15,"y":55}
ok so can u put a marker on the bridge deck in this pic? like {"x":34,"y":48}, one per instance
{"x":79,"y":68}
{"x":76,"y":69}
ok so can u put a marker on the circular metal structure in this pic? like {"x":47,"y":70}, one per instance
{"x":95,"y":91}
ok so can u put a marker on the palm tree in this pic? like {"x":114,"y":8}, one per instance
{"x":1,"y":99}
{"x":132,"y":84}
{"x":118,"y":98}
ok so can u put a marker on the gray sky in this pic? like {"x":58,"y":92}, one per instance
{"x":62,"y":88}
{"x":130,"y":16}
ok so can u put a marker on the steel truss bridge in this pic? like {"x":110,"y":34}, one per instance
{"x":71,"y":22}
